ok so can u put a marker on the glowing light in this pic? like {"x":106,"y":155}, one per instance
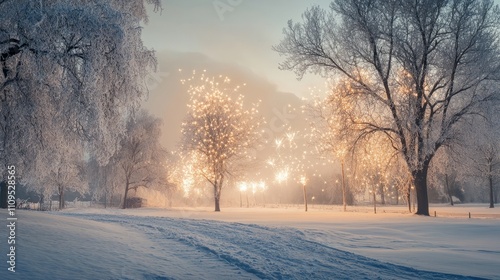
{"x":262,"y":185}
{"x":303,"y":180}
{"x":252,"y":186}
{"x":243,"y":186}
{"x":282,"y":176}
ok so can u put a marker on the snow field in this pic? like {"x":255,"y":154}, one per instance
{"x":253,"y":243}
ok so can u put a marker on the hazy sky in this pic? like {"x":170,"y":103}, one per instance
{"x":239,"y":32}
{"x":229,"y":37}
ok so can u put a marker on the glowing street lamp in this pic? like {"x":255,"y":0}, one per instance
{"x":282,"y":176}
{"x":243,"y":188}
{"x":303,"y":181}
{"x":341,"y":153}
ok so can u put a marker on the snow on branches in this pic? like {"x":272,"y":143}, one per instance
{"x":73,"y":66}
{"x":415,"y":70}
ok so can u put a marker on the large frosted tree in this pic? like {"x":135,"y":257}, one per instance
{"x":414,"y":70}
{"x":72,"y":66}
{"x":218,"y":130}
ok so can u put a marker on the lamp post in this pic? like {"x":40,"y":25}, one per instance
{"x":344,"y":202}
{"x":243,"y":188}
{"x":280,"y":177}
{"x":303,"y":181}
{"x":341,"y":154}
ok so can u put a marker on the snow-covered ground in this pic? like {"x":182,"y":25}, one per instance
{"x":254,"y":243}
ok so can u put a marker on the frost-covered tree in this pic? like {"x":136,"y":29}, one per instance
{"x":82,"y":59}
{"x":483,"y":152}
{"x":59,"y":165}
{"x":140,"y":160}
{"x":448,"y":171}
{"x":65,"y":173}
{"x":69,"y":176}
{"x":105,"y":184}
{"x":219,"y":129}
{"x":487,"y":164}
{"x":415,"y":69}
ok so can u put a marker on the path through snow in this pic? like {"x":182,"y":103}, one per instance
{"x":83,"y":245}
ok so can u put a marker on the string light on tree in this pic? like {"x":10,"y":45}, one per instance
{"x":218,"y":128}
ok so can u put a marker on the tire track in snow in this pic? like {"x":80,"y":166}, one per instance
{"x":268,"y":253}
{"x":165,"y":258}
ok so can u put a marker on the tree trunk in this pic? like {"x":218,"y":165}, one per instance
{"x":105,"y":198}
{"x":344,"y":203}
{"x":408,"y":196}
{"x":448,"y":188}
{"x":218,"y":182}
{"x":420,"y":179}
{"x":61,"y":198}
{"x":217,"y":197}
{"x":396,"y":190}
{"x":305,"y":196}
{"x":382,"y":194}
{"x":124,"y":201}
{"x":217,"y":203}
{"x":492,"y":205}
{"x":374,"y":201}
{"x":40,"y":203}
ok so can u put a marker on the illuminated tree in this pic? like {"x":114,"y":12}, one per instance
{"x":415,"y":70}
{"x":403,"y":183}
{"x":328,"y":132}
{"x":292,"y":161}
{"x":185,"y":173}
{"x":373,"y":160}
{"x":286,"y":160}
{"x":219,"y":129}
